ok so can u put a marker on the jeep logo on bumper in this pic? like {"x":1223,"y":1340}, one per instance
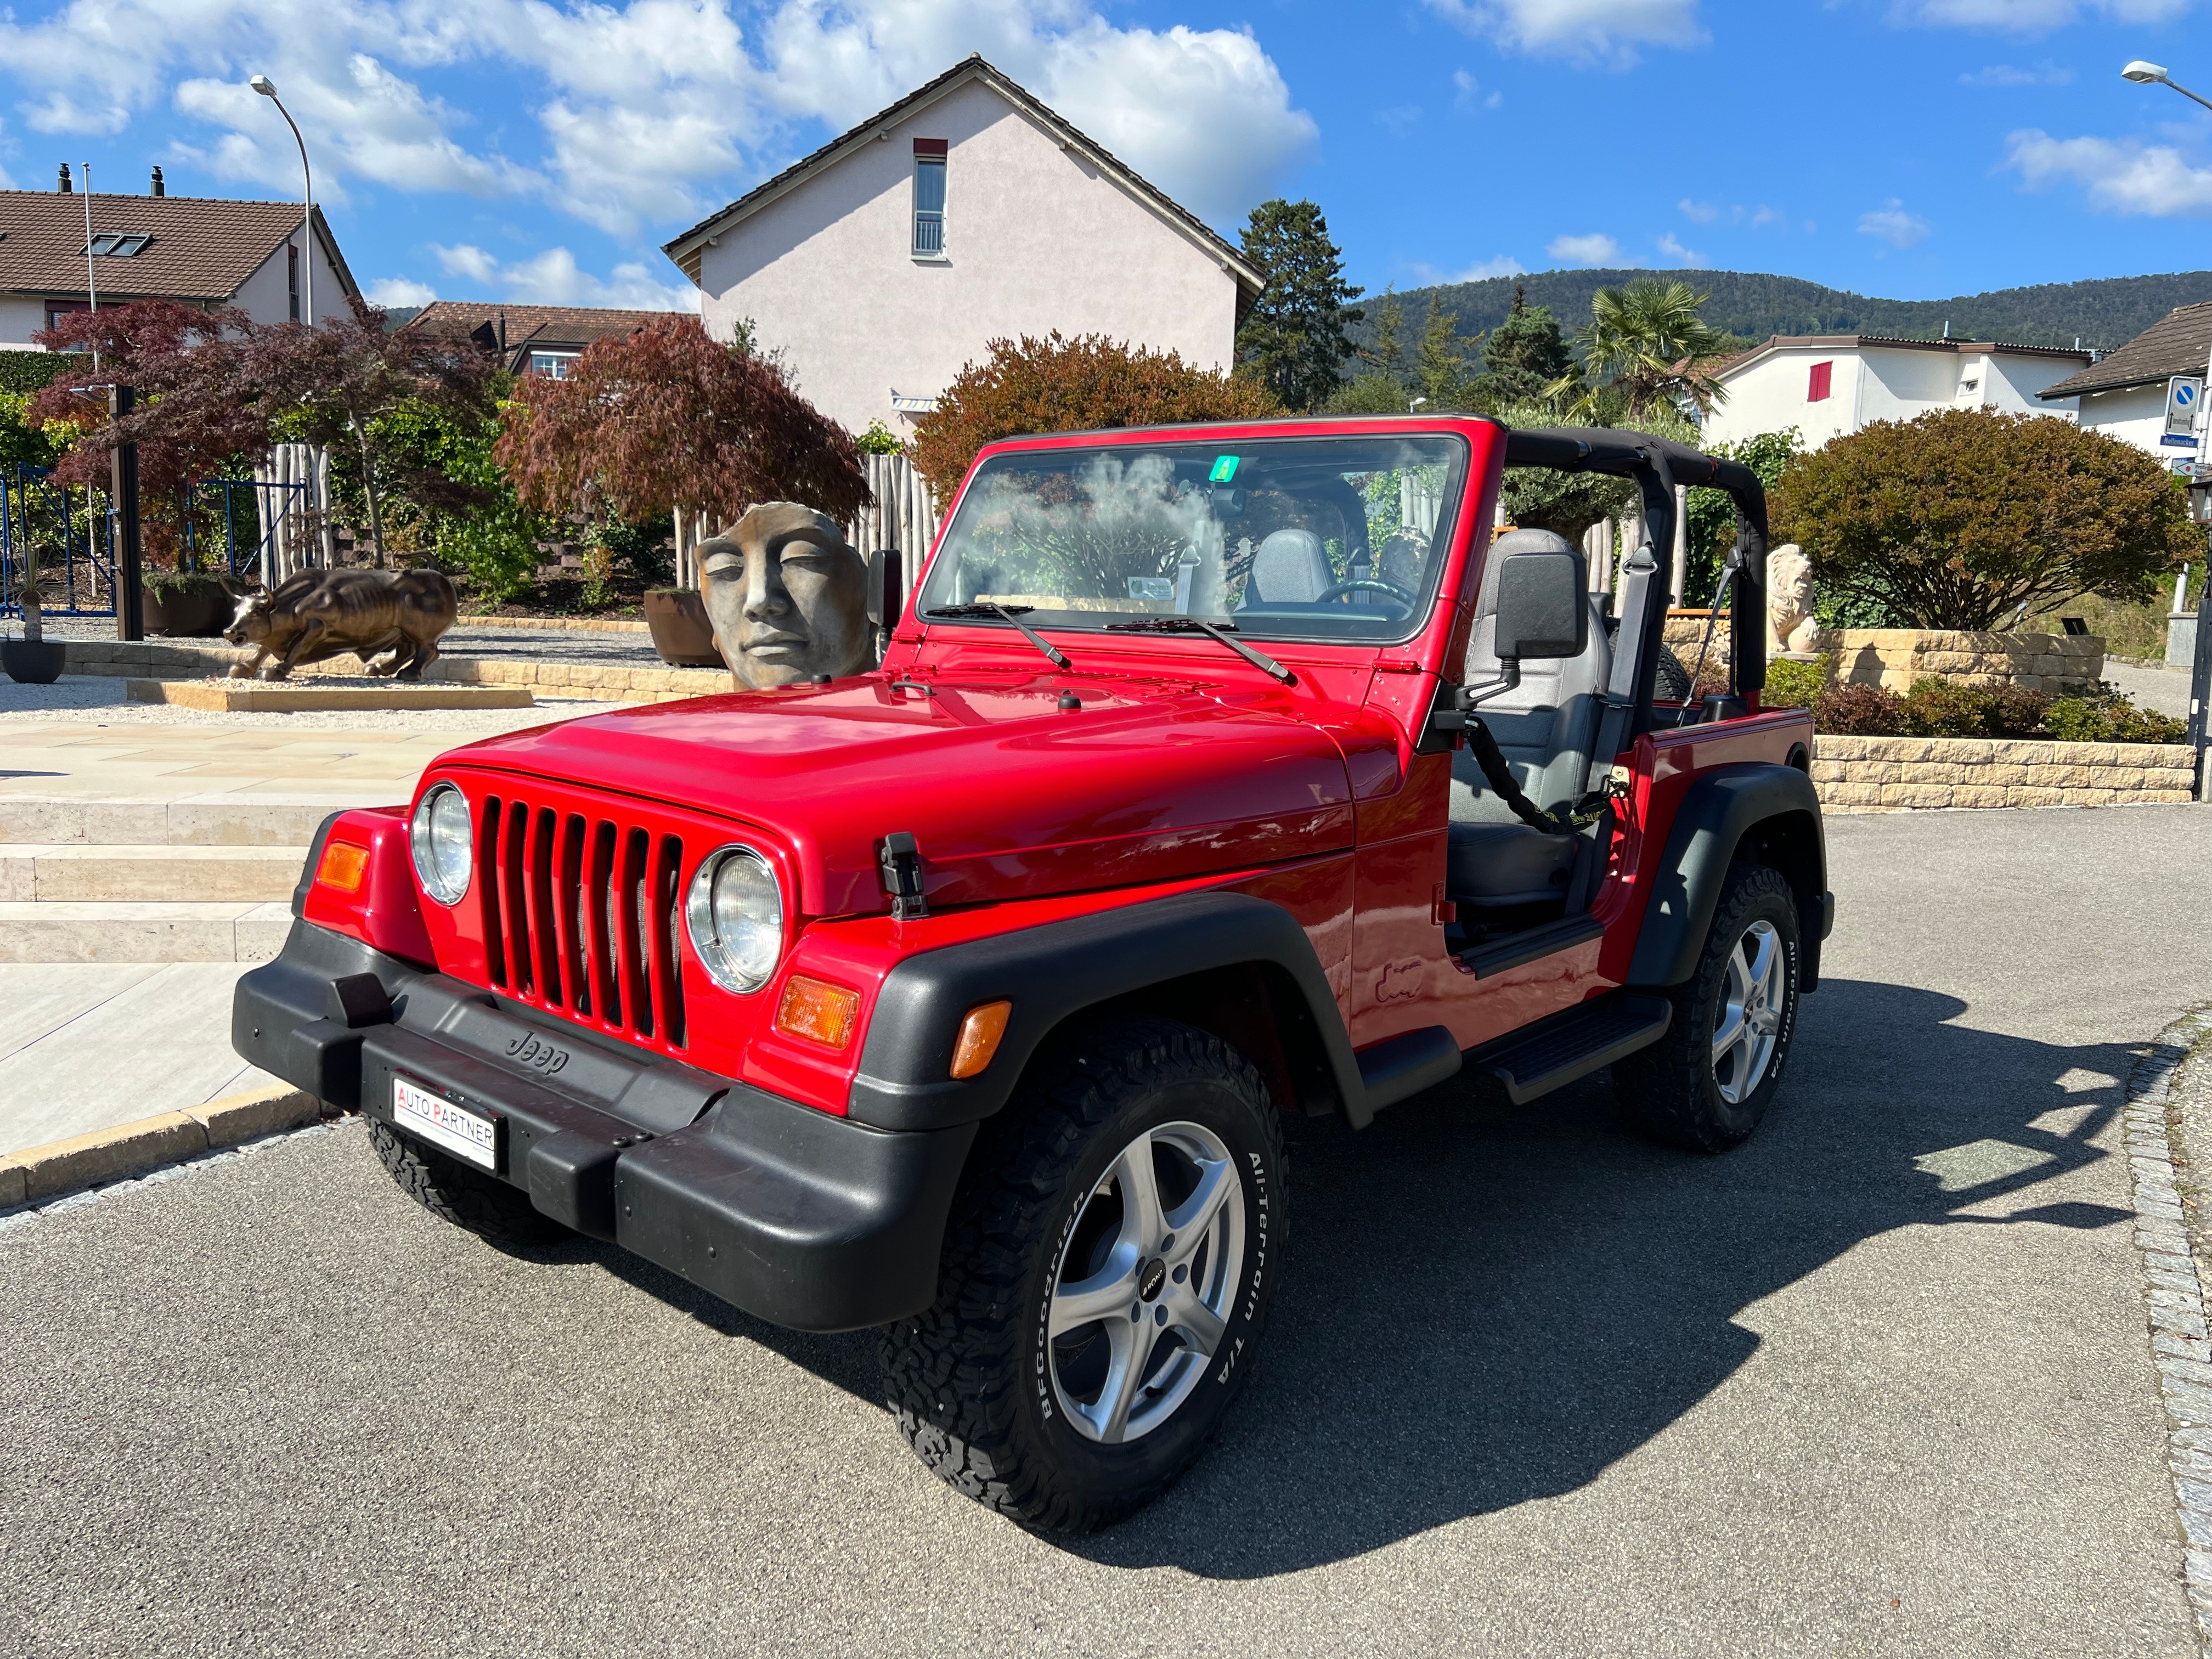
{"x":530,"y":1049}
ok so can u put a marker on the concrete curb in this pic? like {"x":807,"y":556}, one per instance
{"x":2181,"y":1346}
{"x":131,"y":1149}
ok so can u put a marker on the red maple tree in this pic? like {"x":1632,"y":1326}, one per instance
{"x":667,"y":417}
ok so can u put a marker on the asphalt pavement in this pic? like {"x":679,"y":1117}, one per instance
{"x":1877,"y":1383}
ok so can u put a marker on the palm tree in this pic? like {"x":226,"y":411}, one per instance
{"x":1640,"y":353}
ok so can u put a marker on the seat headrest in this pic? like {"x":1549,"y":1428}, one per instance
{"x":1290,"y":567}
{"x":1531,"y":541}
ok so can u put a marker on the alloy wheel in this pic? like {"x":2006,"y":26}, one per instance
{"x":1748,"y":1021}
{"x":1144,"y":1285}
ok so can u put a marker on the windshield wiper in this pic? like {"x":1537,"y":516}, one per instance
{"x":1259,"y":659}
{"x":984,"y":609}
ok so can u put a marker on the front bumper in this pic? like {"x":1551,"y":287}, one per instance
{"x":800,"y":1217}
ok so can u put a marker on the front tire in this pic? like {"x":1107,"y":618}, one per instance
{"x":1108,"y":1271}
{"x":453,"y":1192}
{"x":1707,"y":1083}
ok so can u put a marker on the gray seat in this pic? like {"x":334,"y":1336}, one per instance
{"x":1546,"y":727}
{"x":1290,"y":567}
{"x":1506,"y":866}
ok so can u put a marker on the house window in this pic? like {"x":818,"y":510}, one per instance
{"x":57,"y":309}
{"x":1816,"y":385}
{"x":120,"y":244}
{"x":292,"y":274}
{"x":552,"y":364}
{"x":929,"y":197}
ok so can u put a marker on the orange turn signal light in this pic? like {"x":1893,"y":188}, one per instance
{"x":343,"y":866}
{"x":819,"y":1011}
{"x":980,"y":1034}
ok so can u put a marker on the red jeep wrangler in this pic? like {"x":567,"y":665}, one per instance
{"x":1211,"y":772}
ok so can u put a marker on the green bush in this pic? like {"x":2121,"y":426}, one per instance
{"x":879,"y":440}
{"x":34,"y":371}
{"x":1949,"y":708}
{"x":1794,"y":684}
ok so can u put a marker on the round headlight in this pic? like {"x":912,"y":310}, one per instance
{"x":439,"y":838}
{"x":734,"y":914}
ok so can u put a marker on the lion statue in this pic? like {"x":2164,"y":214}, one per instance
{"x":1791,"y":628}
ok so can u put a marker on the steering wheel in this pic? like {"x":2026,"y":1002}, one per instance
{"x":1369,"y":585}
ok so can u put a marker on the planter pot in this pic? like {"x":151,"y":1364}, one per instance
{"x":32,"y":664}
{"x":681,"y":632}
{"x":199,"y":609}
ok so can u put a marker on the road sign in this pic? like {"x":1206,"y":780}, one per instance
{"x":2182,"y":392}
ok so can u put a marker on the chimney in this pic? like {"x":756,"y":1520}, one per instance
{"x":63,"y":183}
{"x":160,"y":189}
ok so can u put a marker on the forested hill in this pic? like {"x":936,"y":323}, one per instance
{"x":2104,"y":314}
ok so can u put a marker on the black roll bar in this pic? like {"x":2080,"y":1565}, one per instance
{"x":1657,"y":465}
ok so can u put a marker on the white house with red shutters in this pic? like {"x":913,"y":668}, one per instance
{"x":1827,"y":385}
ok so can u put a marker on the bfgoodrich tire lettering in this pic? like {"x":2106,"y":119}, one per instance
{"x":1707,"y":1083}
{"x":453,"y":1192}
{"x":982,"y":1384}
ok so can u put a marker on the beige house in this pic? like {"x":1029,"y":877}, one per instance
{"x":884,"y":263}
{"x":204,"y":251}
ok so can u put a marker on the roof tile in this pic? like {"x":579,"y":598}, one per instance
{"x":2178,"y":343}
{"x":203,"y":248}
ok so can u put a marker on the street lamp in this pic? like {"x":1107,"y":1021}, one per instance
{"x":2149,"y":75}
{"x":267,"y":88}
{"x":2200,"y":672}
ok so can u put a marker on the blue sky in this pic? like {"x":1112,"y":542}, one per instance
{"x":527,"y":150}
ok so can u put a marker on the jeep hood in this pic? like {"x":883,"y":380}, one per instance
{"x":1009,"y":795}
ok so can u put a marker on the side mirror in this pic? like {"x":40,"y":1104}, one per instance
{"x":1543,"y":612}
{"x":885,"y":594}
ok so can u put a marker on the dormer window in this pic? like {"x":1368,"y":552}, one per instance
{"x":120,"y":244}
{"x":929,"y":156}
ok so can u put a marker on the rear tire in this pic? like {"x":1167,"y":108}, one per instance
{"x":1709,"y":1081}
{"x":1671,"y":682}
{"x":453,"y":1192}
{"x":1082,"y":1350}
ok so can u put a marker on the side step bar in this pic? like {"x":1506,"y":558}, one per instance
{"x":1575,"y":1047}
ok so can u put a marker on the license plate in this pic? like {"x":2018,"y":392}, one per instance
{"x":463,"y":1133}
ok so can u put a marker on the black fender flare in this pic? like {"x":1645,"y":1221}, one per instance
{"x":1717,"y":811}
{"x":1060,"y":968}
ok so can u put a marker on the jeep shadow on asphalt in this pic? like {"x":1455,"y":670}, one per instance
{"x":1486,"y":1304}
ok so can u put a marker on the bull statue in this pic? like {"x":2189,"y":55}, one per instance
{"x":391,"y":619}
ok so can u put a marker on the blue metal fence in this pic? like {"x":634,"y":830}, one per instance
{"x":73,"y":532}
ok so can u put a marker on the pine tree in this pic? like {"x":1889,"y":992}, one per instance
{"x":1440,"y":360}
{"x":1388,"y":354}
{"x":1525,"y":354}
{"x":1294,"y":336}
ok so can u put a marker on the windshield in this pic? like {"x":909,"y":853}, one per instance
{"x":1287,"y":538}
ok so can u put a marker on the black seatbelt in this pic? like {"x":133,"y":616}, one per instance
{"x":1491,"y":759}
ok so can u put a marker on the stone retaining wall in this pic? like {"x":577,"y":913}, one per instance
{"x":1893,"y":658}
{"x":188,"y":660}
{"x":1878,"y":774}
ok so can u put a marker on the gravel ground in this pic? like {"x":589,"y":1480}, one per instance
{"x":95,"y":701}
{"x":2152,"y":686}
{"x":1878,"y":1383}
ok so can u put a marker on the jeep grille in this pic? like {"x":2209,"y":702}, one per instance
{"x":581,"y":916}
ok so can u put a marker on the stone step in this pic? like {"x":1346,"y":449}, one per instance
{"x":285,"y":820}
{"x":35,"y":930}
{"x":79,"y":873}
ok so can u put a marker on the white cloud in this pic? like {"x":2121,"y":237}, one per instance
{"x":1466,"y":88}
{"x":2119,"y":176}
{"x":553,"y":278}
{"x":1607,"y":32}
{"x":1672,"y":251}
{"x":644,"y":111}
{"x":398,"y":291}
{"x":1698,"y":213}
{"x":2005,"y":74}
{"x":1766,"y":216}
{"x":1399,"y":119}
{"x":2030,"y":17}
{"x":1894,"y":225}
{"x":1592,"y":249}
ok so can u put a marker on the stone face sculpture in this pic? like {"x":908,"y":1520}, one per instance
{"x":787,"y":596}
{"x":1791,"y":628}
{"x":392,"y":620}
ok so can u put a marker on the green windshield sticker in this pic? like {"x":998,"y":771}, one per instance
{"x":1224,"y":469}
